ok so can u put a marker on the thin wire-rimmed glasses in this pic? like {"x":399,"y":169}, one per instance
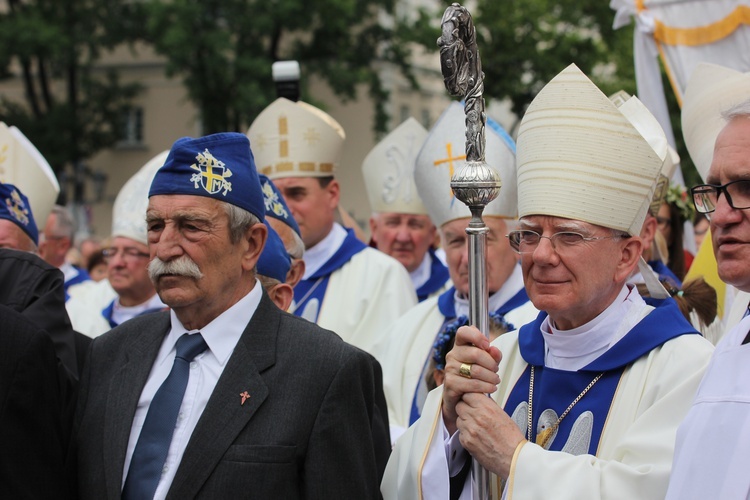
{"x":525,"y":241}
{"x":706,"y":196}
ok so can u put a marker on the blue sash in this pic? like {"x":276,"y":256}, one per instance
{"x":438,"y":276}
{"x":315,"y":286}
{"x":554,"y":390}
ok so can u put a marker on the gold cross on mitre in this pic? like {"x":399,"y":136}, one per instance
{"x":449,"y":160}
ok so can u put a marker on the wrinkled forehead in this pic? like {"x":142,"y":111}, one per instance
{"x":167,"y":204}
{"x":540,"y":223}
{"x":125,"y":242}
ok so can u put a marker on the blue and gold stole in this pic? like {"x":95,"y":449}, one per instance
{"x":554,"y":390}
{"x":313,"y":289}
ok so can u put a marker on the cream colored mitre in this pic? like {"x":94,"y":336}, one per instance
{"x":295,"y":139}
{"x":444,"y":153}
{"x":580,"y":158}
{"x":651,"y":130}
{"x":22,"y":165}
{"x":129,"y":211}
{"x":388,"y":171}
{"x":711,"y":90}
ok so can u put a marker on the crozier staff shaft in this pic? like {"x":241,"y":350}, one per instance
{"x":475,"y":184}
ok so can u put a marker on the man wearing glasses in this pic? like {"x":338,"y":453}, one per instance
{"x":585,"y":400}
{"x":713,"y":443}
{"x":97,"y":307}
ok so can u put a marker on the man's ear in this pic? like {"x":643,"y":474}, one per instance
{"x":648,"y":232}
{"x":373,"y":227}
{"x":631,"y":249}
{"x":334,"y":193}
{"x":296,"y":271}
{"x":282,"y":295}
{"x":255,"y":241}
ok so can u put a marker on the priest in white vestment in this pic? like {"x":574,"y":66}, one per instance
{"x":400,"y":225}
{"x":95,"y":307}
{"x":586,"y":399}
{"x":347,"y":287}
{"x":406,"y":352}
{"x":713,"y":443}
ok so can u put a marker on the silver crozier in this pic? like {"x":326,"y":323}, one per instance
{"x":475,"y":184}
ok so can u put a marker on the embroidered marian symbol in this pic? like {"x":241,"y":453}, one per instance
{"x":17,"y":208}
{"x":212,"y":174}
{"x":271,"y":199}
{"x":245,"y":396}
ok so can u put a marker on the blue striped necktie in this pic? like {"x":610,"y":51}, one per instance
{"x":156,"y":434}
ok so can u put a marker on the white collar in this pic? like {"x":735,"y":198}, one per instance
{"x":422,"y":273}
{"x":69,"y":271}
{"x":510,"y":288}
{"x":319,"y":254}
{"x":223,"y":333}
{"x":573,"y":349}
{"x":121,"y":314}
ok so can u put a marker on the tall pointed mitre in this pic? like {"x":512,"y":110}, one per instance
{"x":388,"y":170}
{"x":651,"y":130}
{"x":444,"y":153}
{"x":580,"y":158}
{"x":129,"y":211}
{"x":295,"y":139}
{"x":711,"y":90}
{"x":22,"y":165}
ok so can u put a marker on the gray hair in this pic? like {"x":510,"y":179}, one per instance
{"x":65,"y":225}
{"x":239,"y":221}
{"x":297,"y":249}
{"x":739,"y":110}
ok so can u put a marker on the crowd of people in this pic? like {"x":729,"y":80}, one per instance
{"x":234,"y":337}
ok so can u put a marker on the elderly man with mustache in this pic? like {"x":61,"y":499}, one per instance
{"x":225,"y":395}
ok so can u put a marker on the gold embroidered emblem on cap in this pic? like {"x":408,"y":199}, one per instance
{"x":212,"y":174}
{"x":311,"y":136}
{"x":17,"y":207}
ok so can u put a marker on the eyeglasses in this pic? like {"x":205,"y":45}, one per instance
{"x":525,"y":241}
{"x":128,"y":253}
{"x":706,"y":196}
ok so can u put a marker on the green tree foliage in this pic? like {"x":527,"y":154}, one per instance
{"x":223,"y":50}
{"x":71,"y":110}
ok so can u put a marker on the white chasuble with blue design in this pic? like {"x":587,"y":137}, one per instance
{"x":554,"y":390}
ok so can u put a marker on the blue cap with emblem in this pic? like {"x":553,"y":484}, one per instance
{"x":274,"y":261}
{"x":276,"y":207}
{"x":14,"y":206}
{"x":218,"y":166}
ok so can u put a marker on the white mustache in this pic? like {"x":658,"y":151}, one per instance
{"x":184,"y":266}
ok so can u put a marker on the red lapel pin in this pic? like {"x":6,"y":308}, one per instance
{"x":245,"y":396}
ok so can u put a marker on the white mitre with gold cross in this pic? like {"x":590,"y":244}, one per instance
{"x":580,"y":157}
{"x":22,"y":165}
{"x":711,"y":90}
{"x":295,"y":139}
{"x":444,"y":153}
{"x":388,"y":171}
{"x":129,"y":211}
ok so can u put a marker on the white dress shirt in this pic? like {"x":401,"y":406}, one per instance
{"x":423,"y":272}
{"x":221,"y":336}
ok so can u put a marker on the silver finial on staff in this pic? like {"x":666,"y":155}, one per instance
{"x":476,"y":184}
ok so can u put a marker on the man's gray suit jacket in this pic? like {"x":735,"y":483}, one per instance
{"x":305,"y":432}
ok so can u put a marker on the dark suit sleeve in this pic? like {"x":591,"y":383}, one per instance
{"x":32,"y":432}
{"x":381,"y":433}
{"x":340,"y":461}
